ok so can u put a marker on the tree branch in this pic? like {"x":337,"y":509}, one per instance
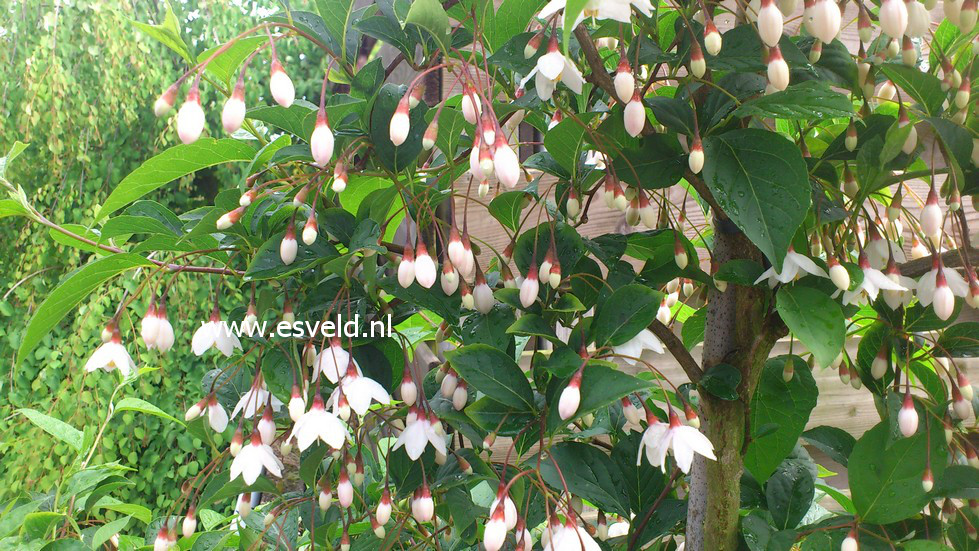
{"x":950,"y":259}
{"x":680,"y":352}
{"x":598,"y":76}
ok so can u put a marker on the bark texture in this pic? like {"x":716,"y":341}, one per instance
{"x":738,"y":332}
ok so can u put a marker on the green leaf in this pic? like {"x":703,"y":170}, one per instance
{"x":224,"y":65}
{"x":588,"y":472}
{"x":959,"y":481}
{"x":532,"y":325}
{"x":108,"y":530}
{"x":692,"y":331}
{"x":815,"y":319}
{"x":722,"y":381}
{"x":537,"y":241}
{"x":789,"y":493}
{"x":9,"y":207}
{"x":572,"y":9}
{"x":511,"y":18}
{"x":566,"y":140}
{"x":168,"y":34}
{"x":431,"y":16}
{"x":833,"y":441}
{"x":267,"y":262}
{"x":740,"y":271}
{"x":13,"y":153}
{"x":925,"y":88}
{"x":629,"y":310}
{"x":507,"y":206}
{"x":55,"y":427}
{"x":760,"y":180}
{"x":643,"y":482}
{"x":338,"y":17}
{"x":142,"y":406}
{"x":885,"y":471}
{"x":174,"y":163}
{"x":494,"y":373}
{"x":75,"y":287}
{"x":786,"y":406}
{"x":657,"y":163}
{"x":806,"y":100}
{"x":960,"y":340}
{"x":673,"y":113}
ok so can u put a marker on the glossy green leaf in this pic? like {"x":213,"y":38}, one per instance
{"x":815,"y":319}
{"x":806,"y":100}
{"x":761,"y":181}
{"x":75,"y":287}
{"x":55,"y":427}
{"x":494,"y":373}
{"x":136,"y":404}
{"x":589,"y":473}
{"x":789,"y":493}
{"x":176,"y":162}
{"x":629,"y":310}
{"x":786,"y":406}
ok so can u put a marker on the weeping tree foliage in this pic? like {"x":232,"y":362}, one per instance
{"x":396,"y":380}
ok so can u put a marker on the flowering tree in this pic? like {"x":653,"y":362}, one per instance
{"x":800,"y":154}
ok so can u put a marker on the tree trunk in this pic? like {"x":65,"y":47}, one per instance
{"x":737,"y":332}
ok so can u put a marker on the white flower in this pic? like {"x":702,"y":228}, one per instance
{"x":616,"y":10}
{"x":216,"y":416}
{"x":873,"y":282}
{"x":252,"y":458}
{"x":794,"y":266}
{"x":112,"y":355}
{"x":418,"y":434}
{"x":252,"y":400}
{"x":659,"y":438}
{"x":360,"y":390}
{"x":332,"y":362}
{"x":570,"y":537}
{"x":552,"y":68}
{"x":633,"y":348}
{"x":318,"y":424}
{"x":214,"y":333}
{"x":927,"y":284}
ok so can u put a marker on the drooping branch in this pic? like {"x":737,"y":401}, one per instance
{"x":680,"y":352}
{"x":950,"y":259}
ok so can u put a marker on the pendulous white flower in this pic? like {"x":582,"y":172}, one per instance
{"x":483,"y":298}
{"x":361,"y":390}
{"x":825,"y":20}
{"x":111,"y":355}
{"x":506,"y":165}
{"x":214,"y":333}
{"x":509,"y":507}
{"x":794,"y":265}
{"x":425,"y":269}
{"x":529,"y":288}
{"x":422,"y":505}
{"x":893,"y":18}
{"x":252,"y":458}
{"x":552,"y":68}
{"x":255,"y":398}
{"x":494,"y":533}
{"x":633,"y":348}
{"x":616,"y":10}
{"x":685,"y":441}
{"x":569,"y":536}
{"x":571,"y":396}
{"x":624,"y":81}
{"x":927,"y":285}
{"x":319,"y":424}
{"x":383,"y":512}
{"x":217,"y":417}
{"x":418,"y":434}
{"x":873,"y":282}
{"x":769,"y":23}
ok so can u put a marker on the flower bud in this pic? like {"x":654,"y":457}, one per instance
{"x":460,"y":397}
{"x":471,"y":107}
{"x":190,"y":523}
{"x":505,"y":163}
{"x":850,"y":542}
{"x":383,"y":513}
{"x":635,"y":115}
{"x":851,"y":137}
{"x":530,"y":288}
{"x":778,"y":70}
{"x":533,"y":45}
{"x":322,"y":141}
{"x":712,"y":39}
{"x":400,"y":124}
{"x":409,"y":390}
{"x":879,"y":366}
{"x":931,"y":216}
{"x":698,"y":65}
{"x":165,"y":102}
{"x":236,"y":442}
{"x":571,"y":396}
{"x":431,"y":133}
{"x":406,"y":268}
{"x":233,"y":113}
{"x":624,"y":81}
{"x":283,"y":91}
{"x":927,"y":480}
{"x":838,"y":274}
{"x":494,"y":533}
{"x":907,"y":418}
{"x":297,"y":405}
{"x":893,"y":18}
{"x":696,"y":158}
{"x":289,"y":247}
{"x":190,"y":118}
{"x":769,"y":23}
{"x":345,"y":490}
{"x":816,"y":52}
{"x":449,"y":383}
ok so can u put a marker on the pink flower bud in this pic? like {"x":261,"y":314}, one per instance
{"x":907,"y":418}
{"x":769,"y":23}
{"x":570,"y":397}
{"x":635,"y":115}
{"x":190,"y":118}
{"x":283,"y":91}
{"x":400,"y":124}
{"x":289,"y":247}
{"x":233,"y":114}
